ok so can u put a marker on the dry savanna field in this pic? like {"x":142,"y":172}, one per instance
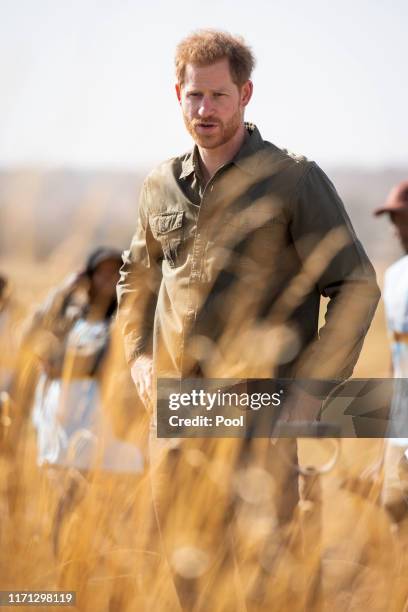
{"x":339,"y":552}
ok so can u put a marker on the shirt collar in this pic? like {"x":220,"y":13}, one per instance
{"x":245,"y":159}
{"x":187,"y":165}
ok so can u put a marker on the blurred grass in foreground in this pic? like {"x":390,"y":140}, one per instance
{"x":340,"y":551}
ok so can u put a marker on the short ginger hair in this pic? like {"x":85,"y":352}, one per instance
{"x":205,"y":47}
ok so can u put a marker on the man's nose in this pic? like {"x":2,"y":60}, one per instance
{"x":206,"y":107}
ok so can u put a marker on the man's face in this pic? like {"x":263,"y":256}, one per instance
{"x":399,"y":219}
{"x":212,"y":104}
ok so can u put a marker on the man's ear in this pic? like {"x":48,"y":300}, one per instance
{"x":178,"y":92}
{"x":246,"y":92}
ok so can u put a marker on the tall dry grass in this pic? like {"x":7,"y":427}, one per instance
{"x":227,"y":550}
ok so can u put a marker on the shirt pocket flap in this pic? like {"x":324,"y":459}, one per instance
{"x":166,"y":222}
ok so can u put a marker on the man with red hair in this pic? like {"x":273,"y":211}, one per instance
{"x":237,"y":211}
{"x":236,"y":243}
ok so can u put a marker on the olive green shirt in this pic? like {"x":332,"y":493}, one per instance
{"x":225,"y":279}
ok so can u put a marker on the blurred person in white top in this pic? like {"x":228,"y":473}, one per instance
{"x":71,"y":335}
{"x":395,"y":488}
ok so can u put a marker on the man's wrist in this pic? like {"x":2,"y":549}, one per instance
{"x":318,"y":388}
{"x":139,"y":356}
{"x":133,"y":355}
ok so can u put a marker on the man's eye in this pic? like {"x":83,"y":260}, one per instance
{"x":219,"y":94}
{"x":193,"y":94}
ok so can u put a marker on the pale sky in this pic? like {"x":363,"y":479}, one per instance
{"x":90,"y":83}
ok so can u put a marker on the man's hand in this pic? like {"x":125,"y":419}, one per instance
{"x":301,"y":406}
{"x":142,"y":375}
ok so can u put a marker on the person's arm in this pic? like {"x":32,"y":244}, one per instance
{"x":44,"y":333}
{"x":388,"y":286}
{"x":335,"y":261}
{"x":137,"y":290}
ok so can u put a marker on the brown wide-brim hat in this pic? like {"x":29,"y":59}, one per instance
{"x":397,"y":200}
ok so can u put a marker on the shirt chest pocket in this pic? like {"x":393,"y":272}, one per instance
{"x":167,"y":228}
